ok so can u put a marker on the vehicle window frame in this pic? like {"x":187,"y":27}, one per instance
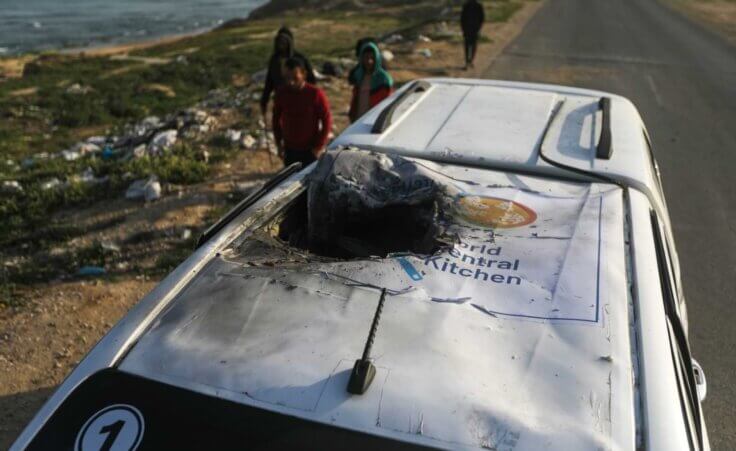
{"x":679,"y":347}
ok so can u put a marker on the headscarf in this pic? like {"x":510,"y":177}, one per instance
{"x":380,"y":78}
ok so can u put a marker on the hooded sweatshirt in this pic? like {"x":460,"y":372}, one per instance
{"x":275,"y":76}
{"x":381,"y":83}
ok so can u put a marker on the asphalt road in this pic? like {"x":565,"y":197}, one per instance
{"x":683,"y":80}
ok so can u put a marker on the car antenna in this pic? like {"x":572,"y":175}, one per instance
{"x":364,"y":371}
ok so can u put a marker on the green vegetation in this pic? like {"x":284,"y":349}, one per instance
{"x":62,"y":99}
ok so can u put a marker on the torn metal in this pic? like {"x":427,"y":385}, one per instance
{"x":493,"y":337}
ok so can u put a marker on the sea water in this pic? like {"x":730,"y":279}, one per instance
{"x":37,"y":25}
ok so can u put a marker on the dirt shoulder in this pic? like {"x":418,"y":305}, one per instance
{"x":63,"y":316}
{"x":718,"y":15}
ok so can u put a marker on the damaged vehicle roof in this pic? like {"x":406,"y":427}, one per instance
{"x":505,"y":325}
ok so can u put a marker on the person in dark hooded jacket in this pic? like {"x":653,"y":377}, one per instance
{"x":283,"y":49}
{"x":471,"y":21}
{"x":371,"y":83}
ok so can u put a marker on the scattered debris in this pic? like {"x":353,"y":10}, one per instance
{"x":148,"y":189}
{"x":260,"y":76}
{"x":11,"y":187}
{"x":233,"y":135}
{"x":186,"y":234}
{"x":86,"y":271}
{"x":162,"y":142}
{"x":393,"y":39}
{"x":248,"y":142}
{"x":139,"y":151}
{"x":98,"y":141}
{"x":78,"y":89}
{"x":387,"y":55}
{"x":423,"y":38}
{"x":109,"y":246}
{"x":70,"y":155}
{"x":51,"y":184}
{"x":427,"y":53}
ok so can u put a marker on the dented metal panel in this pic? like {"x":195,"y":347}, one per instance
{"x":462,"y":362}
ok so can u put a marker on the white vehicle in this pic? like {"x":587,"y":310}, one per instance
{"x":472,"y":265}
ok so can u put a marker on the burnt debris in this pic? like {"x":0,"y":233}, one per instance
{"x":363,"y":204}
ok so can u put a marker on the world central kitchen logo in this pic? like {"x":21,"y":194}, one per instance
{"x":479,"y":262}
{"x":492,"y":212}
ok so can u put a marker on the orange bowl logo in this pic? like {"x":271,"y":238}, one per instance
{"x":492,"y":212}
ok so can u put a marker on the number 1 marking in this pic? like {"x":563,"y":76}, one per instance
{"x":112,"y":430}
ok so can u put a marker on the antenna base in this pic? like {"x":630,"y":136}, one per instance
{"x":361,"y":377}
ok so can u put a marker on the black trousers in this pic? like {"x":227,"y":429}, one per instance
{"x":471,"y":45}
{"x":305,"y":157}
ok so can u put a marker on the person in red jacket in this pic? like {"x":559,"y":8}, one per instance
{"x":301,"y":116}
{"x":371,"y":83}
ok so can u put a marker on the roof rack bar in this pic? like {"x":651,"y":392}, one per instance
{"x":247,"y":202}
{"x":384,"y":119}
{"x":605,"y":149}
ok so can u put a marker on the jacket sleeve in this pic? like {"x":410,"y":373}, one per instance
{"x":325,"y":117}
{"x":268,"y":86}
{"x":276,"y":119}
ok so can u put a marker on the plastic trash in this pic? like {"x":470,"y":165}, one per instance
{"x":162,"y":141}
{"x":88,"y":176}
{"x":233,"y":135}
{"x":51,"y":184}
{"x":387,"y":55}
{"x":139,"y":151}
{"x":425,"y":52}
{"x":91,"y":271}
{"x":153,"y":191}
{"x":393,"y":39}
{"x":107,"y":153}
{"x":70,"y":155}
{"x":98,"y":141}
{"x":186,"y":234}
{"x":248,"y":142}
{"x":423,"y":38}
{"x":86,"y":148}
{"x":110,"y":246}
{"x":11,"y":186}
{"x":148,"y":189}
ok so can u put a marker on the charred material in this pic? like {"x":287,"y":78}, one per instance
{"x":363,"y":204}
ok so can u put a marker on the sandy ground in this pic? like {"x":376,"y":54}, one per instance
{"x":718,"y":15}
{"x":42,"y":340}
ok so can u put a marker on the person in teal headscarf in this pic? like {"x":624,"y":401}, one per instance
{"x":371,"y":83}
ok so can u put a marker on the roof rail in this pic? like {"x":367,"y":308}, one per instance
{"x":384,"y":119}
{"x":605,"y":149}
{"x":247,"y":202}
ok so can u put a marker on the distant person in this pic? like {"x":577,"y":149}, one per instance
{"x":471,"y":21}
{"x":371,"y":82}
{"x":301,"y":116}
{"x":283,"y":49}
{"x":358,"y":47}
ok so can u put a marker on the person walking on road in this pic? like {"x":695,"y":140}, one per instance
{"x":371,"y":83}
{"x":301,"y":116}
{"x":283,"y":50}
{"x":471,"y":21}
